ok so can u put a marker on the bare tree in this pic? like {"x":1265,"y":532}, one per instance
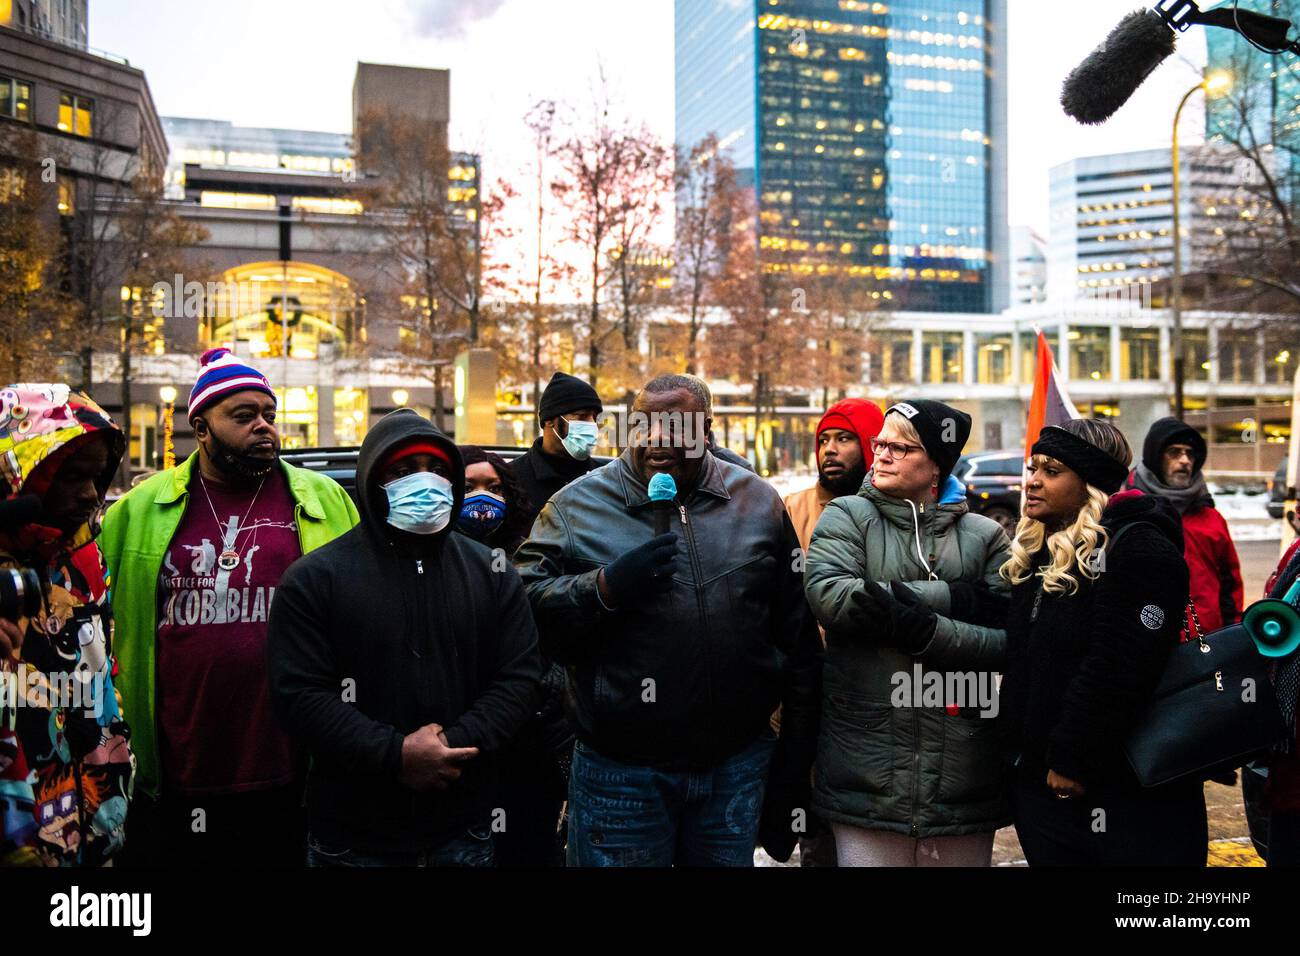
{"x":611,"y":173}
{"x":706,"y":188}
{"x":762,"y":340}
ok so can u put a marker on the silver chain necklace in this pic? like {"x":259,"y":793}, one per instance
{"x":230,"y":557}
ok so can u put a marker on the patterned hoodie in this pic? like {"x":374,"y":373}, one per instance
{"x":66,"y":766}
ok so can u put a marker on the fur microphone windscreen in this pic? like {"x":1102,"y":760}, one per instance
{"x":1103,"y":82}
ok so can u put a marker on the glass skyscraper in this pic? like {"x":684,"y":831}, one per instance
{"x":873,"y":134}
{"x":1265,"y":88}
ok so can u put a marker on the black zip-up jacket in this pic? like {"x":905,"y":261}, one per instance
{"x":684,"y":679}
{"x":1082,"y":669}
{"x":541,"y":474}
{"x":381,"y":632}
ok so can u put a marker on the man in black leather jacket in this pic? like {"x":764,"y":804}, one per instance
{"x":678,"y":648}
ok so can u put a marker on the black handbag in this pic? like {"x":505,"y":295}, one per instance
{"x":1213,"y":711}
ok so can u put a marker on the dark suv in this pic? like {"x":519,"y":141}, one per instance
{"x":993,"y":482}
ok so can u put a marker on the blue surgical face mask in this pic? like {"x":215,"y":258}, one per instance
{"x":419,"y":502}
{"x":581,"y":439}
{"x":481,"y":514}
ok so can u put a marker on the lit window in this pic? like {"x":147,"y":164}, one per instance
{"x":15,"y":98}
{"x":76,"y":114}
{"x":223,"y":200}
{"x":67,"y":197}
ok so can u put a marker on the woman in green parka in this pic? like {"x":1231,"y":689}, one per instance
{"x":905,"y":581}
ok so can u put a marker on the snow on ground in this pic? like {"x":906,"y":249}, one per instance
{"x":787,"y":483}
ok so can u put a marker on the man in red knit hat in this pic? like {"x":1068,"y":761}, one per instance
{"x":843,"y":459}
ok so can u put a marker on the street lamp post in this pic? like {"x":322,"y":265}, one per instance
{"x":1215,"y":83}
{"x":168,"y":395}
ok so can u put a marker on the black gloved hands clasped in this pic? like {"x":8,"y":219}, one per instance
{"x":645,"y":570}
{"x":910,"y":623}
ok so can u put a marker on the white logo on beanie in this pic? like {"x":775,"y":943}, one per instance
{"x":911,"y":411}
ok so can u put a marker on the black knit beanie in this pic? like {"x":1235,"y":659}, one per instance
{"x":942,"y":428}
{"x":564,"y":394}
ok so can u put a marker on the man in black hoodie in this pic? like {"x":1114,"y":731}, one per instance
{"x":1172,"y":458}
{"x":404,"y":658}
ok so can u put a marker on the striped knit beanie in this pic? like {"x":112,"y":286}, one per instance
{"x":222,"y":374}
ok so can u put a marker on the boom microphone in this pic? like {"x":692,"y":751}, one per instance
{"x":1110,"y":74}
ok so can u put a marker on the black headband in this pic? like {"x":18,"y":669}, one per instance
{"x":1090,"y":463}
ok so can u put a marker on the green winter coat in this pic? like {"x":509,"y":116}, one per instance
{"x":883,"y":763}
{"x":137,"y":531}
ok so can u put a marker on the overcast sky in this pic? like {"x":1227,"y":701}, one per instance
{"x":290,"y":63}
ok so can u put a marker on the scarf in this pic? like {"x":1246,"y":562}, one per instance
{"x":1183,"y":499}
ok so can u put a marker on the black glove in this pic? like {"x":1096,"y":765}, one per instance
{"x":911,"y":623}
{"x":646,"y":569}
{"x":978,"y":605}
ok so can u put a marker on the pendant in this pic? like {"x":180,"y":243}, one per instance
{"x":229,"y":560}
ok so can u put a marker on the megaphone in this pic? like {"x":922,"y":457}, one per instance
{"x":1274,"y":625}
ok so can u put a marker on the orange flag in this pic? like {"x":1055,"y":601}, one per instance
{"x":1050,"y":403}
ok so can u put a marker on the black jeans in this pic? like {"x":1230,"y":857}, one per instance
{"x":262,"y":828}
{"x":1165,"y":826}
{"x":532,"y":793}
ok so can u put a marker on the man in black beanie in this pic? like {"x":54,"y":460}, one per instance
{"x":1172,"y":458}
{"x":563,"y":452}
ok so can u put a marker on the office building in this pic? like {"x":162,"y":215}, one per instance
{"x":873,"y":133}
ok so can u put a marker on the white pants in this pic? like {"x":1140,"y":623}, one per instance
{"x":855,"y":846}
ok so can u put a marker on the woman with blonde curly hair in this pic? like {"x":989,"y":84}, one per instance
{"x":1099,"y":588}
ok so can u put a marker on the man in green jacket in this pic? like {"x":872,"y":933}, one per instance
{"x":194,"y":556}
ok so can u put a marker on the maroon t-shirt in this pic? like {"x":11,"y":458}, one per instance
{"x":216,"y":732}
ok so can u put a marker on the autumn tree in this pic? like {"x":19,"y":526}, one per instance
{"x":612,"y":183}
{"x":706,"y":191}
{"x":762,"y":338}
{"x":438,"y":233}
{"x":34,"y":316}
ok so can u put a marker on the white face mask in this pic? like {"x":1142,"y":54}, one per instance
{"x":580,"y":439}
{"x":419,"y":502}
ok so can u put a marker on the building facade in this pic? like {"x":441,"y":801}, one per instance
{"x":1111,"y":226}
{"x":60,"y":21}
{"x":1028,"y":267}
{"x":296,"y":272}
{"x":874,"y":135}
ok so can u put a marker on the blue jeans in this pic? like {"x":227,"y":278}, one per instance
{"x":471,"y":848}
{"x":627,"y":815}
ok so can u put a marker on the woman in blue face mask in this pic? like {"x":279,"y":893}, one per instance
{"x":495,"y":510}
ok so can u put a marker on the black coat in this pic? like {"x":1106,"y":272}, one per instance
{"x":730,"y":640}
{"x":1080,"y":672}
{"x":541,"y":475}
{"x":381,"y":632}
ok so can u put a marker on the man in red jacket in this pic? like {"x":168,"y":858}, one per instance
{"x":1172,"y":458}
